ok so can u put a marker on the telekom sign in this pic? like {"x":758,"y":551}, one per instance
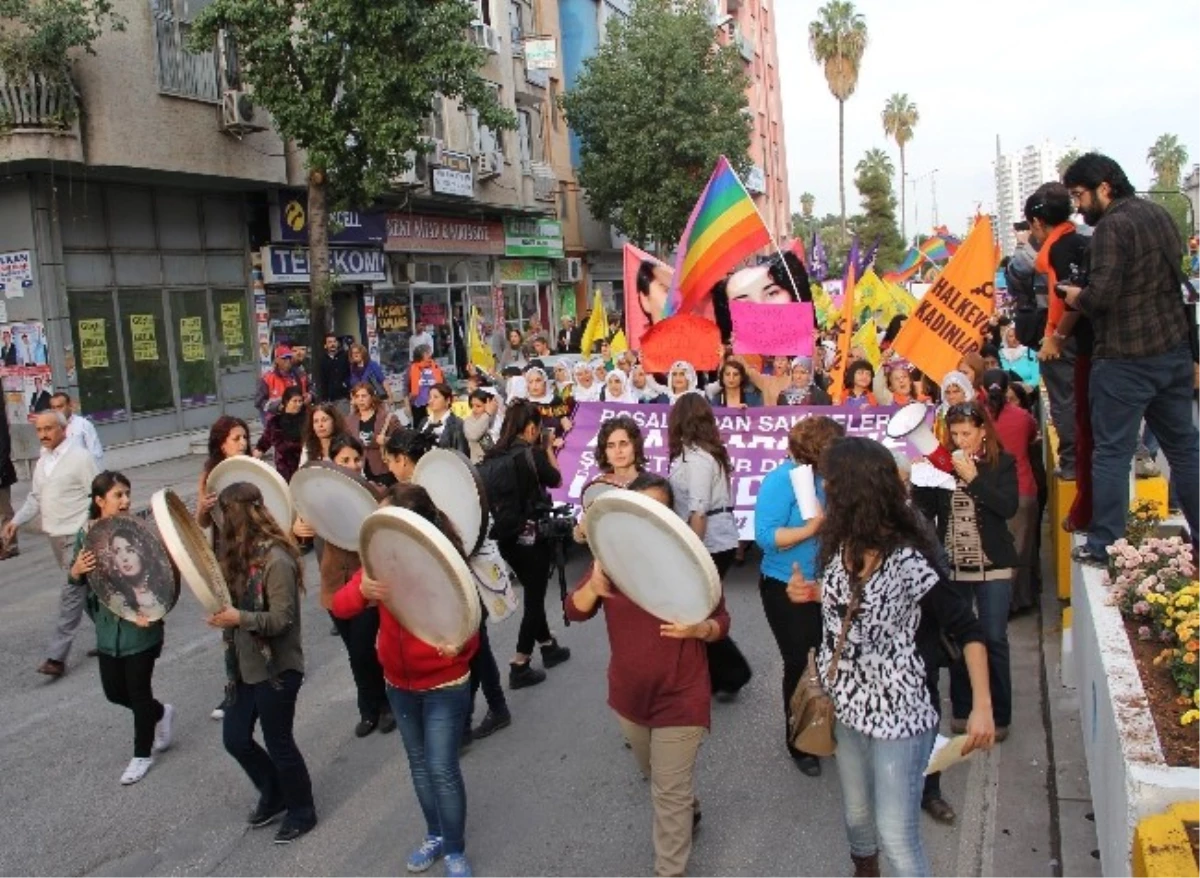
{"x":415,"y":233}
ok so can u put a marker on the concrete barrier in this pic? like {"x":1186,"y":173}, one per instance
{"x":1129,"y":779}
{"x":1161,"y":845}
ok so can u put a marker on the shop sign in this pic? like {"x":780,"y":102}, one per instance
{"x":16,"y":273}
{"x":415,"y":233}
{"x":533,"y":236}
{"x":516,"y":270}
{"x":290,"y":265}
{"x":540,"y":53}
{"x":289,"y":222}
{"x":455,"y":176}
{"x":391,"y":315}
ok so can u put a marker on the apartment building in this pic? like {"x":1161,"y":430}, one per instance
{"x":152,"y":251}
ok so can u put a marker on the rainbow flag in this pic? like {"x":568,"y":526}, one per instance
{"x":724,"y":229}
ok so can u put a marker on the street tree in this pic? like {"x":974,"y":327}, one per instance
{"x":807,"y":200}
{"x":1068,"y":159}
{"x":1166,"y":158}
{"x":350,"y":85}
{"x":838,"y":39}
{"x":654,"y":108}
{"x":873,"y":179}
{"x":900,"y":117}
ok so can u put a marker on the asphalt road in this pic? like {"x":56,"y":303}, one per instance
{"x":555,"y":794}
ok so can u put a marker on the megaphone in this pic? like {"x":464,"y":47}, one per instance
{"x":909,"y":423}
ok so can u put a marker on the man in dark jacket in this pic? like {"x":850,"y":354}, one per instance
{"x":8,"y":478}
{"x":1142,"y":362}
{"x":333,"y":373}
{"x":569,"y":336}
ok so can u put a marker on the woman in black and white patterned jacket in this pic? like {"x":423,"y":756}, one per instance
{"x":875,"y":556}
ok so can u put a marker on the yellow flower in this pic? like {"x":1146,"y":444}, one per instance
{"x":1189,"y":717}
{"x":1189,"y":658}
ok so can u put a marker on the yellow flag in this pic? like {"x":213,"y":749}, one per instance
{"x":619,"y":343}
{"x":870,"y":297}
{"x":478,"y":353}
{"x":867,"y":338}
{"x":823,"y":305}
{"x":904,"y":301}
{"x":597,"y":326}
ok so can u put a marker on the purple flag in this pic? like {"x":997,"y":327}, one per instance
{"x":818,"y":262}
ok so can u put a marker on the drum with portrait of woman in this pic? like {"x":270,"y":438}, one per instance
{"x":133,"y":576}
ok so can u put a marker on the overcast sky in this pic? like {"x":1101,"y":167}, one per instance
{"x":1112,"y":74}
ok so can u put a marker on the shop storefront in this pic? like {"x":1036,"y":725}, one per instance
{"x":532,"y":247}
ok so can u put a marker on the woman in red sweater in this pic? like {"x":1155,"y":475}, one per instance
{"x":429,"y":691}
{"x":658,"y":686}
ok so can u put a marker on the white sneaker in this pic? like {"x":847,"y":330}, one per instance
{"x":218,"y":712}
{"x":163,"y":730}
{"x":136,"y":770}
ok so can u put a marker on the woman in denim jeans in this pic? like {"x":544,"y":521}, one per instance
{"x":880,"y":587}
{"x":430,"y":693}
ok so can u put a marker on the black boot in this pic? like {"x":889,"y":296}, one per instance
{"x":553,"y":654}
{"x":520,"y":676}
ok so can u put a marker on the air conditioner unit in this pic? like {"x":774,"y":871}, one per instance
{"x":485,"y":36}
{"x":237,"y":113}
{"x":488,"y":165}
{"x":570,"y":270}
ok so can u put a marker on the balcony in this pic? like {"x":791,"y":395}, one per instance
{"x":39,"y":119}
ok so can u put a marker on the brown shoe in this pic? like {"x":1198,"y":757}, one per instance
{"x":52,"y":668}
{"x":866,"y":867}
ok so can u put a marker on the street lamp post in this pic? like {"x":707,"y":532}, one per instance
{"x":931,"y":175}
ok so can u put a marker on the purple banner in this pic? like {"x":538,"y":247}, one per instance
{"x":757,"y":440}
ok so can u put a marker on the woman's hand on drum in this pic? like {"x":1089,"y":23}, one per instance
{"x":141,"y":621}
{"x":372,"y":589}
{"x":303,"y":529}
{"x":84,"y":564}
{"x":599,"y":583}
{"x":706,"y":630}
{"x":206,"y":503}
{"x":230,"y":617}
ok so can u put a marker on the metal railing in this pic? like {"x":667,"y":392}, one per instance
{"x":37,"y":101}
{"x":181,"y":73}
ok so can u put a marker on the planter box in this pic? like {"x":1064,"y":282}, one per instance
{"x":1129,"y":778}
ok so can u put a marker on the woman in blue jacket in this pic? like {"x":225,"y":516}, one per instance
{"x":787,"y":581}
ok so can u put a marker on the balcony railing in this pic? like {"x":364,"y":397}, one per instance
{"x":181,"y":73}
{"x":37,"y":101}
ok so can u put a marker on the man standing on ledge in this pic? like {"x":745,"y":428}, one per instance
{"x":61,"y":491}
{"x":1142,"y":362}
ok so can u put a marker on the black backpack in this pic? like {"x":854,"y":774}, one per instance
{"x":1028,"y":292}
{"x":510,"y":480}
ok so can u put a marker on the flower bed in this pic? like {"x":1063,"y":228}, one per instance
{"x":1152,"y":581}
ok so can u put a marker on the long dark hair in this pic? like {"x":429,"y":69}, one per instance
{"x":416,"y":499}
{"x":632,"y":430}
{"x":248,"y":533}
{"x":517,"y":417}
{"x":217,"y":434}
{"x":101,"y":485}
{"x":866,"y":505}
{"x":692,"y":422}
{"x":312,"y":444}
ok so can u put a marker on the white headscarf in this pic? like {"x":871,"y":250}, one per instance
{"x":516,"y":388}
{"x":547,"y":396}
{"x":954,"y":378}
{"x":569,"y":366}
{"x":581,"y":393}
{"x":652,"y":390}
{"x":626,"y":394}
{"x":689,"y":369}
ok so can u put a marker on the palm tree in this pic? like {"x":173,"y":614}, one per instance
{"x":807,"y":200}
{"x":1167,"y":157}
{"x":1068,"y":159}
{"x":838,"y":39}
{"x":900,"y":116}
{"x":876,"y":161}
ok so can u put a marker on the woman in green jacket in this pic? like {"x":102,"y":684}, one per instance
{"x":127,"y":650}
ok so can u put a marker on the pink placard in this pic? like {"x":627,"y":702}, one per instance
{"x":773,"y":330}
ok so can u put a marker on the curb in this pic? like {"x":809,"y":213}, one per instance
{"x":1161,"y":845}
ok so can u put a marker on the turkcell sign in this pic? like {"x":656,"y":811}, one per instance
{"x":290,"y":265}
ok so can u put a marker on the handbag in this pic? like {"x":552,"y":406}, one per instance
{"x":811,"y":711}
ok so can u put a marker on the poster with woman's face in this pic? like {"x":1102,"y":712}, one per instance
{"x":133,"y":576}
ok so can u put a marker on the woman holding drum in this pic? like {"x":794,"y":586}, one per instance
{"x":127,"y":650}
{"x":658,"y":685}
{"x":429,"y":690}
{"x":787,"y":585}
{"x":264,"y":659}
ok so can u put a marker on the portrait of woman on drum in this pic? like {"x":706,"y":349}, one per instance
{"x":139,"y":578}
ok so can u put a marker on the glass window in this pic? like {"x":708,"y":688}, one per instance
{"x":393,"y":325}
{"x":193,"y":347}
{"x":97,"y":355}
{"x":145,"y":330}
{"x":233,"y":329}
{"x":433,"y":312}
{"x":288,"y":316}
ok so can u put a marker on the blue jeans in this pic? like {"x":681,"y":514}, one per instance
{"x":991,"y":605}
{"x":1124,"y":392}
{"x":279,"y":772}
{"x":431,"y":726}
{"x":881,"y":795}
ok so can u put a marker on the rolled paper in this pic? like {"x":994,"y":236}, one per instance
{"x":805,"y":486}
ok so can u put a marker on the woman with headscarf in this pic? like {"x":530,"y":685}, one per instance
{"x":563,"y":382}
{"x":681,"y":380}
{"x":644,"y":387}
{"x":801,"y":389}
{"x":956,"y":388}
{"x":1015,"y":357}
{"x":587,"y":388}
{"x":617,"y":389}
{"x":555,"y":411}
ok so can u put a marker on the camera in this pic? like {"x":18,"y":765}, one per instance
{"x":556,"y":522}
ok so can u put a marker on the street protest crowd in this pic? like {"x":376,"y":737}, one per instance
{"x":908,"y":563}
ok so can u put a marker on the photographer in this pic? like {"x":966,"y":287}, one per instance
{"x":517,"y":472}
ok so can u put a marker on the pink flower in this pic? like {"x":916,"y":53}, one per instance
{"x":1142,"y":608}
{"x":1160,"y":588}
{"x":1150,"y":580}
{"x":1142,"y":589}
{"x":1166,"y":635}
{"x":1144,"y":632}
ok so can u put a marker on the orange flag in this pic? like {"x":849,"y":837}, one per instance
{"x":953,"y":314}
{"x":845,"y":328}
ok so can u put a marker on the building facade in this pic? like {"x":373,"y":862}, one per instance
{"x":1018,"y":175}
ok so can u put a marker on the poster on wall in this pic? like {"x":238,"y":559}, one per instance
{"x":16,"y":273}
{"x":262,"y":328}
{"x":372,"y":329}
{"x":27,"y":391}
{"x":232,"y":331}
{"x":143,"y":338}
{"x":23,"y":344}
{"x":93,"y":344}
{"x":191,"y":339}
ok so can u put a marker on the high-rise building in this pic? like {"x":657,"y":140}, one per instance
{"x":1008,"y":201}
{"x":1018,"y":176}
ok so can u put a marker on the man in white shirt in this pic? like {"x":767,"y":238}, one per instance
{"x":61,"y":492}
{"x":420,"y":338}
{"x":80,"y":430}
